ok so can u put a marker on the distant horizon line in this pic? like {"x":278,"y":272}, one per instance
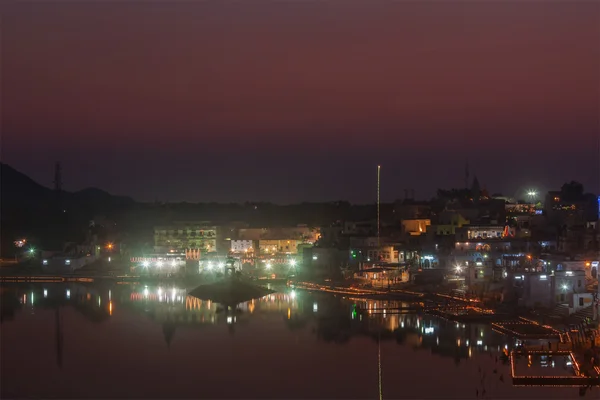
{"x":265,"y":202}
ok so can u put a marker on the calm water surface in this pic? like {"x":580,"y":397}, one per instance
{"x":127,"y":341}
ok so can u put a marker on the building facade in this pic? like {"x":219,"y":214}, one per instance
{"x":182,"y":236}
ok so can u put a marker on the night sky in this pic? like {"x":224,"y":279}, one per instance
{"x":300,"y":100}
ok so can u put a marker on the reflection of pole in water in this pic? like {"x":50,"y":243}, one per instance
{"x":59,"y":339}
{"x":231,"y":318}
{"x":379,"y":363}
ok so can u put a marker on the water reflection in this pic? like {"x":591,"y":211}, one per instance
{"x":333,"y":319}
{"x":298,"y":337}
{"x":338,"y":321}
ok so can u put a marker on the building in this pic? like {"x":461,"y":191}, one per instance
{"x":242,"y":246}
{"x":448,"y":222}
{"x":571,"y":209}
{"x":301,"y":233}
{"x":275,"y":246}
{"x":360,"y":228}
{"x":385,"y":254}
{"x":566,"y":288}
{"x":415,"y":227}
{"x":383,"y":276}
{"x":180,"y":236}
{"x":481,"y":232}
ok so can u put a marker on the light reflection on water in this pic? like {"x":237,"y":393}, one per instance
{"x":290,"y":340}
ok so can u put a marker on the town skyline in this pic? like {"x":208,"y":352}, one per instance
{"x":530,"y":194}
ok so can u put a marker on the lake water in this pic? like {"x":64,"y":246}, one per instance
{"x":128,"y":341}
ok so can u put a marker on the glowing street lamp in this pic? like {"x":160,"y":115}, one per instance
{"x":293,"y":262}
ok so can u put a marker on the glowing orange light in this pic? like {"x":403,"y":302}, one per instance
{"x":110,"y":308}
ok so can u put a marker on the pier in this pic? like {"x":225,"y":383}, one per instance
{"x":558,"y":368}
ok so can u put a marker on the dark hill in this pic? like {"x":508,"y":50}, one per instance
{"x":37,"y":212}
{"x":19,"y":189}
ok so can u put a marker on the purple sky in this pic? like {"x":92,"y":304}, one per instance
{"x":290,"y":101}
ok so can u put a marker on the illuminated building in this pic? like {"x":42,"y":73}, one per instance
{"x":301,"y":233}
{"x":520,"y":209}
{"x":274,"y":240}
{"x":415,"y":227}
{"x":182,"y":236}
{"x":482,"y":232}
{"x":242,"y":246}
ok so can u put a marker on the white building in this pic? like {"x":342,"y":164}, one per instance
{"x":241,"y":246}
{"x":548,"y":290}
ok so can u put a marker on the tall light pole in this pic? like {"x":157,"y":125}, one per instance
{"x":378,"y":204}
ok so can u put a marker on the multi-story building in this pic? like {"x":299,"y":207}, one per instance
{"x":386,"y":254}
{"x":415,"y":227}
{"x":242,"y":246}
{"x":542,"y":289}
{"x":304,"y":234}
{"x":273,"y":246}
{"x":180,"y":236}
{"x":481,"y":232}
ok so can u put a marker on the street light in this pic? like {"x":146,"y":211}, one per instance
{"x":293,"y":264}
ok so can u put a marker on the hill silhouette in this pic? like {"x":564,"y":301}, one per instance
{"x":47,"y":219}
{"x":28,"y":208}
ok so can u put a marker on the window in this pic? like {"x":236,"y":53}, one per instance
{"x":579,"y":283}
{"x":581,"y":302}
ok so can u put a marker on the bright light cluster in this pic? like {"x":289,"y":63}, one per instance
{"x":159,"y":264}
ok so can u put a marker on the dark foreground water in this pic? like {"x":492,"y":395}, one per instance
{"x":124,"y":341}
